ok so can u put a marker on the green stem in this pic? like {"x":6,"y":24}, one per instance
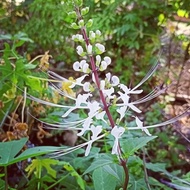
{"x":57,"y":181}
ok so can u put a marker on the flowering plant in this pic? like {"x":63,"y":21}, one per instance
{"x":99,"y":96}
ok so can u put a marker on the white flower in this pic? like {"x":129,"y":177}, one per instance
{"x":117,"y":133}
{"x":80,"y":50}
{"x":89,"y":49}
{"x":78,"y":37}
{"x":92,"y":35}
{"x":83,"y":66}
{"x":98,"y":60}
{"x":100,"y":48}
{"x":78,"y":81}
{"x":98,"y":33}
{"x":107,"y":60}
{"x":140,"y":125}
{"x":103,"y":66}
{"x":86,"y":87}
{"x":81,"y":99}
{"x":114,"y":81}
{"x":95,"y":132}
{"x":85,"y":126}
{"x":76,"y":66}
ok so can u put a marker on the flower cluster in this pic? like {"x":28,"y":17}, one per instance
{"x":111,"y":92}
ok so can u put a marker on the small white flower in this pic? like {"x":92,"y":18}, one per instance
{"x":114,"y":81}
{"x":117,"y":133}
{"x":94,"y":107}
{"x":89,"y":49}
{"x":85,"y":68}
{"x":76,"y":66}
{"x":107,"y":60}
{"x":100,"y":116}
{"x":95,"y":132}
{"x":98,"y":33}
{"x":103,"y":66}
{"x":98,"y":60}
{"x":92,"y":35}
{"x":86,"y":87}
{"x":80,"y":50}
{"x":140,"y":125}
{"x":100,"y":47}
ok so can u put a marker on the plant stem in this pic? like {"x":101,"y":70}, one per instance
{"x":124,"y":165}
{"x":123,"y":162}
{"x":6,"y":178}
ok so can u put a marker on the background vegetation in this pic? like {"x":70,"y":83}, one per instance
{"x":136,"y":34}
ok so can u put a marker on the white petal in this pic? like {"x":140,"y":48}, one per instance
{"x":89,"y":49}
{"x":95,"y":131}
{"x":122,"y":111}
{"x":86,"y":87}
{"x":79,"y":50}
{"x":88,"y":148}
{"x":76,"y":66}
{"x":100,"y":47}
{"x":115,"y":80}
{"x":103,"y":66}
{"x":98,"y":60}
{"x":100,"y":116}
{"x":117,"y":132}
{"x":98,"y":32}
{"x":134,"y":108}
{"x":108,"y":76}
{"x":107,"y":60}
{"x":85,"y":68}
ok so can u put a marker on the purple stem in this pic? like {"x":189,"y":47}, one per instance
{"x":123,"y":162}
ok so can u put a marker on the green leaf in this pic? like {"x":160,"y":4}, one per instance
{"x":72,"y":171}
{"x":131,"y":145}
{"x":157,"y":167}
{"x":9,"y":150}
{"x":30,"y":66}
{"x":98,"y":163}
{"x":116,"y":171}
{"x":103,"y":180}
{"x":39,"y":163}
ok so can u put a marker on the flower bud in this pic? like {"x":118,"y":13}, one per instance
{"x":89,"y":23}
{"x":74,"y":26}
{"x":81,"y":23}
{"x":98,"y":33}
{"x":98,"y":60}
{"x":72,"y":14}
{"x":99,"y":48}
{"x":89,"y":49}
{"x":80,"y":51}
{"x":84,"y":11}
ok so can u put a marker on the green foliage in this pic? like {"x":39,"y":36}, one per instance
{"x":131,"y":35}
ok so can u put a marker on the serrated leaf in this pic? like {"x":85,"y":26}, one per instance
{"x":103,"y":180}
{"x":131,"y":145}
